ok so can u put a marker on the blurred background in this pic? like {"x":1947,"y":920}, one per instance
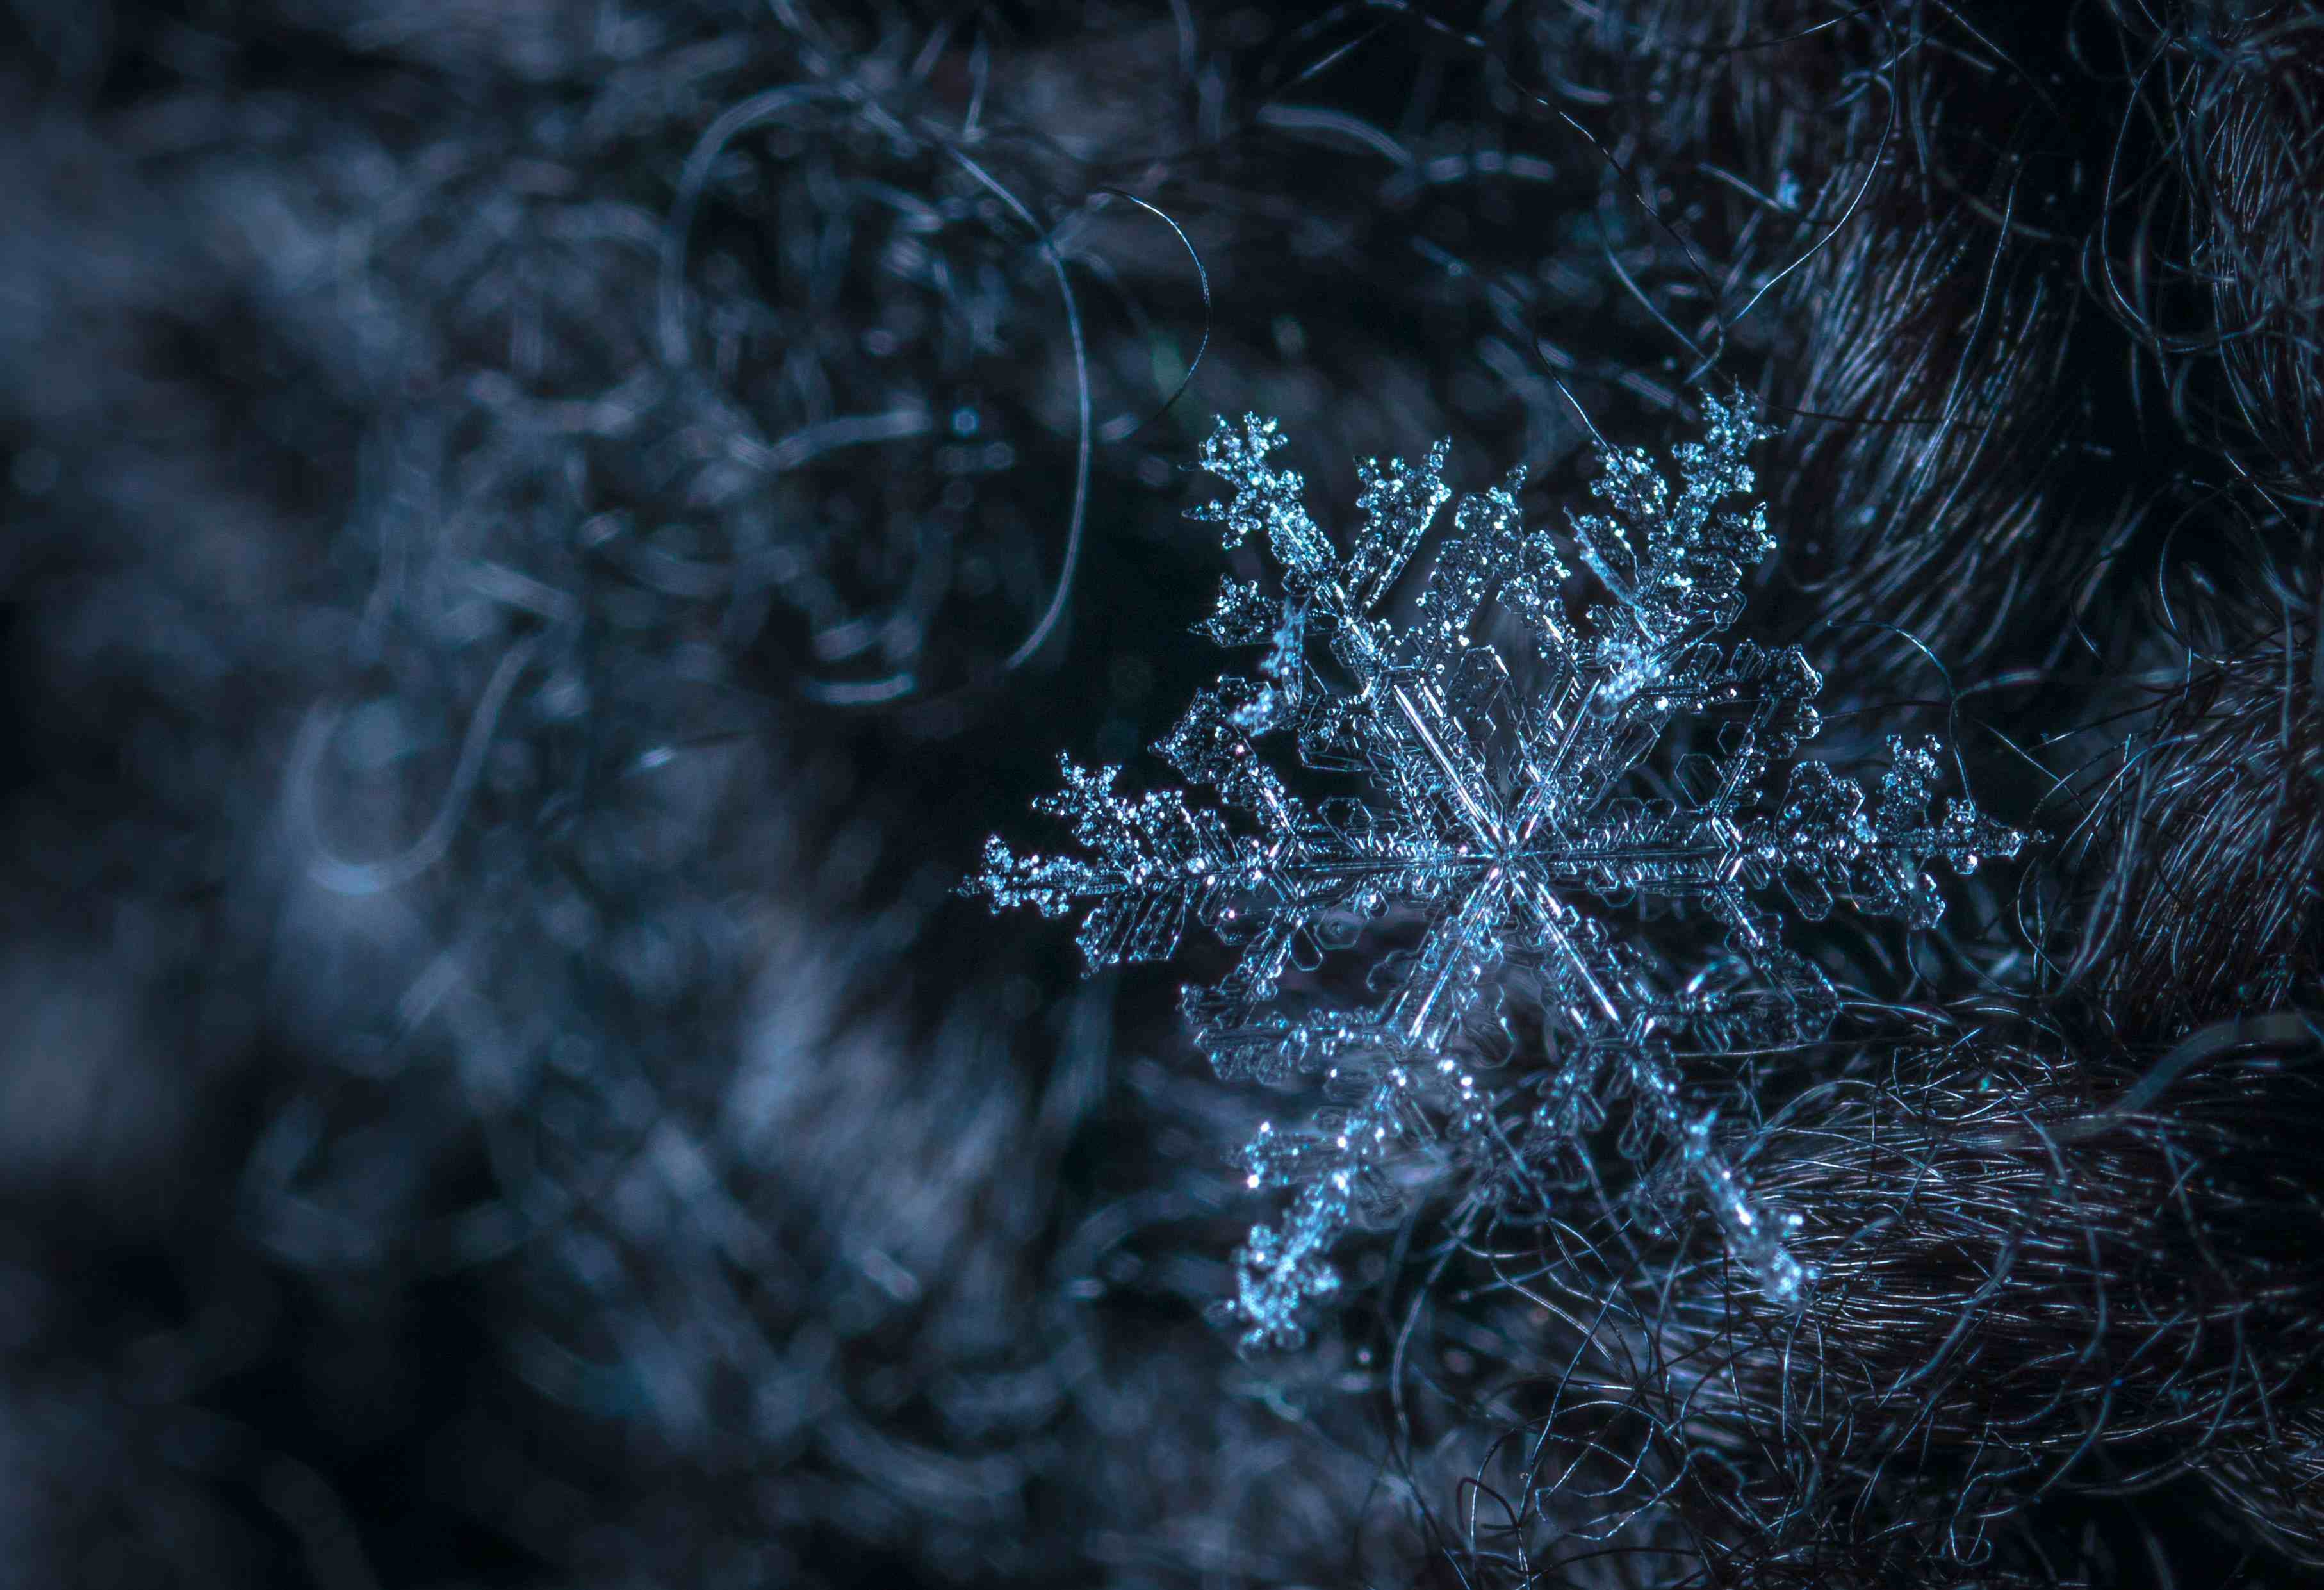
{"x":537,"y":539}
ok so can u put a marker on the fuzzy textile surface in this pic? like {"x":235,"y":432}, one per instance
{"x":538,"y":538}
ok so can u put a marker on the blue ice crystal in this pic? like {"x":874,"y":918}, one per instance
{"x":1505,"y":832}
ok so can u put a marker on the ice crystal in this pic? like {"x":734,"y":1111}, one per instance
{"x":1507,"y":829}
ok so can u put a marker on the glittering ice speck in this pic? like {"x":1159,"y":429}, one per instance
{"x":1504,"y":832}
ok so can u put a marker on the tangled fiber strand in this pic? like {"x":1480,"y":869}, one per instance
{"x":560,"y":1138}
{"x":2019,"y":1279}
{"x":1989,"y":364}
{"x":2204,"y":857}
{"x":1924,"y":454}
{"x":874,"y":1445}
{"x":1881,"y":214}
{"x":538,"y":810}
{"x":1775,"y":186}
{"x":2013,"y":1287}
{"x":820,"y":1260}
{"x":2212,"y":260}
{"x":527,"y":825}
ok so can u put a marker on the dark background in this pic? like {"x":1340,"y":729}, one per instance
{"x":659,"y":1175}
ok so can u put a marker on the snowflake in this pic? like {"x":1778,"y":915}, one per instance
{"x":1509,"y":817}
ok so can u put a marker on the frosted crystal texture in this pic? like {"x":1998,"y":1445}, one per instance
{"x":1505,"y":832}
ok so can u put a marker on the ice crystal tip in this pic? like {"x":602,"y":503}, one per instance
{"x":1491,"y":750}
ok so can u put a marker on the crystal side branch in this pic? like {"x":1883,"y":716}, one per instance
{"x":1505,"y":820}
